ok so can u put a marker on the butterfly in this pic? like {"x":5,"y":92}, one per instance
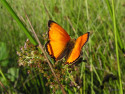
{"x":61,"y":45}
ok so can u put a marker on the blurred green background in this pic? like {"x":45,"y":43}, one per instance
{"x":76,"y":17}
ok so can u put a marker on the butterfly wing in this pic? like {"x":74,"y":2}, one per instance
{"x":75,"y":53}
{"x":58,"y":39}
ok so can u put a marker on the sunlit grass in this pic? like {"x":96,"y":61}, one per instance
{"x":106,"y":27}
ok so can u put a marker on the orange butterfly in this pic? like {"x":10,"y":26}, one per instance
{"x":60,"y":44}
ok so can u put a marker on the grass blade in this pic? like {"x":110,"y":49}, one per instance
{"x":13,"y":14}
{"x":116,"y":44}
{"x":120,"y":42}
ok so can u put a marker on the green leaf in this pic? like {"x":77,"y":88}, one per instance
{"x":13,"y":74}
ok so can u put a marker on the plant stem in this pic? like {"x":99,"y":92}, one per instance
{"x":13,"y":14}
{"x":116,"y":44}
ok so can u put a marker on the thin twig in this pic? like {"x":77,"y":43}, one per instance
{"x":70,"y":24}
{"x":46,"y":10}
{"x":41,"y":47}
{"x":3,"y":87}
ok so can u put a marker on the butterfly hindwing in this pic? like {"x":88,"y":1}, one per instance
{"x":58,"y":39}
{"x":75,"y":53}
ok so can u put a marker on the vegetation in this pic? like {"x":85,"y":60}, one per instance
{"x":23,"y":67}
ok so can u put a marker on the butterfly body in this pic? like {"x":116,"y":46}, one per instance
{"x":61,"y":45}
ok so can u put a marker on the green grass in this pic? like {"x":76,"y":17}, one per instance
{"x":104,"y":52}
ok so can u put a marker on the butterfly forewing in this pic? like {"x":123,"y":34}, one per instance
{"x":58,"y":39}
{"x":75,"y":53}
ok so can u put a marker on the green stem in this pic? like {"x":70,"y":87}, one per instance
{"x":116,"y":44}
{"x":13,"y":14}
{"x":2,"y":74}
